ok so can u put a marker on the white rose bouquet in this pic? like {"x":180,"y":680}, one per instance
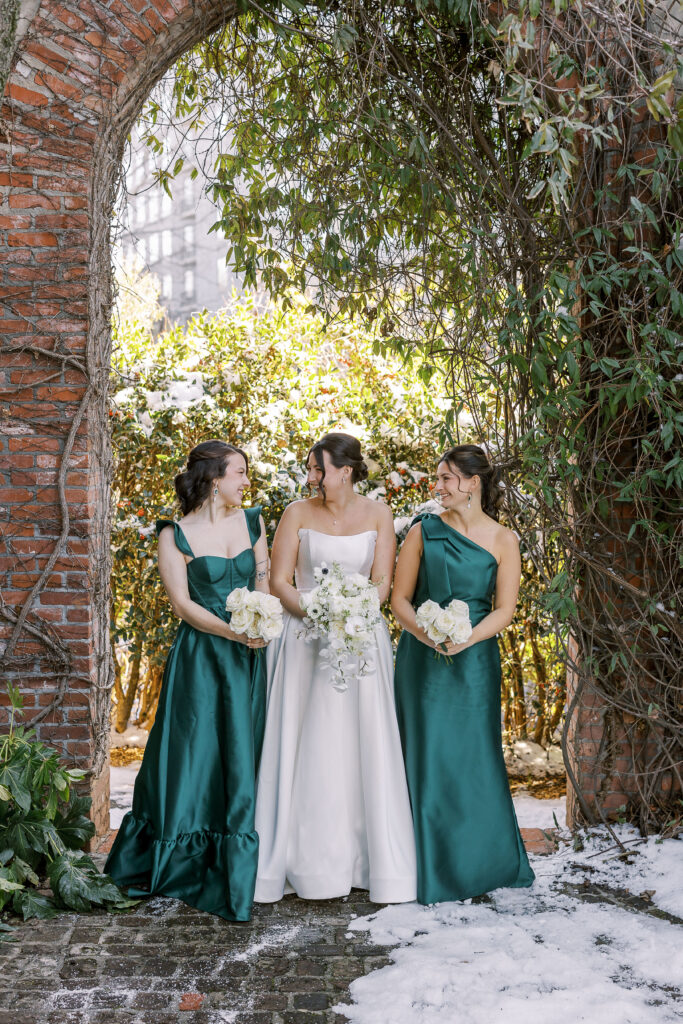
{"x":442,"y":624}
{"x":342,"y":610}
{"x":257,"y":614}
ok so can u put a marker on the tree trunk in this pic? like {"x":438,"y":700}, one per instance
{"x":540,"y":726}
{"x":149,"y":696}
{"x":124,"y":704}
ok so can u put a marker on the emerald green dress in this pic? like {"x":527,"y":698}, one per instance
{"x":191,"y":833}
{"x":466,"y":833}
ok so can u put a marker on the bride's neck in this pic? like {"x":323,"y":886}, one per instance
{"x":340,"y":502}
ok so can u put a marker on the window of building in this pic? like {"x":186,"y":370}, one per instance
{"x":167,"y":286}
{"x":189,"y":282}
{"x":188,"y":234}
{"x":188,"y":189}
{"x":154,"y":206}
{"x":167,"y":242}
{"x":221,"y":272}
{"x":142,"y":209}
{"x":142,"y":249}
{"x":166,"y":204}
{"x":153,"y":247}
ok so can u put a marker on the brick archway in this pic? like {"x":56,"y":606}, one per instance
{"x":80,"y":72}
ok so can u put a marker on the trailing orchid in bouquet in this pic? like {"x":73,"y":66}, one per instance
{"x":443,"y":624}
{"x":257,"y":614}
{"x":342,"y":610}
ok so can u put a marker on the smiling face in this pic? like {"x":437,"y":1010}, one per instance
{"x":234,"y":482}
{"x":334,"y":479}
{"x":452,"y":488}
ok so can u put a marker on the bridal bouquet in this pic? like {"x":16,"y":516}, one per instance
{"x":442,"y":624}
{"x":342,"y":610}
{"x":254,"y":613}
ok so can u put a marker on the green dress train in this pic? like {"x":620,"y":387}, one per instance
{"x":191,"y":833}
{"x":466,"y":833}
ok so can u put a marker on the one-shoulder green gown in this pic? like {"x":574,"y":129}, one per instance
{"x":467,"y":838}
{"x":191,"y":833}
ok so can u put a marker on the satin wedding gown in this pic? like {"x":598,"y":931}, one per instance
{"x":332,"y":806}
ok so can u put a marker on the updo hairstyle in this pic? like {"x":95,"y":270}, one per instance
{"x":205,"y":463}
{"x":471,"y":460}
{"x":343,"y":450}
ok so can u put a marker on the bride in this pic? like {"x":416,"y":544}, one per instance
{"x":332,"y":808}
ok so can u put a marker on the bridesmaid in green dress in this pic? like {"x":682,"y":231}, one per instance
{"x":191,"y":830}
{"x":467,"y":838}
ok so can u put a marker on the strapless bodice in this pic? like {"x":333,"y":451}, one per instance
{"x":354,"y":553}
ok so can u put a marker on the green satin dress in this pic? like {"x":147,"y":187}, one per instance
{"x":191,"y":833}
{"x":466,"y":833}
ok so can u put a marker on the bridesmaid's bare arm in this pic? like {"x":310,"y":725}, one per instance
{"x":261,"y":556}
{"x":283,"y":560}
{"x":173,"y":572}
{"x":385,"y":553}
{"x":405,"y":581}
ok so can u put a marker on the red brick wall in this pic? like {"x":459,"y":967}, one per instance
{"x":80,"y":74}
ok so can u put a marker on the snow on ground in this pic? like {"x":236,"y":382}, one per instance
{"x":534,"y":813}
{"x":524,"y":758}
{"x":530,"y":956}
{"x":121,"y":782}
{"x":132,"y":737}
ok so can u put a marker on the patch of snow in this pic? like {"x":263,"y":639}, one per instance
{"x":525,"y":757}
{"x":534,"y":955}
{"x":534,"y":813}
{"x":134,"y":736}
{"x":121,"y":784}
{"x":278,"y":935}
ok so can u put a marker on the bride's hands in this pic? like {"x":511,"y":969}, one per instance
{"x":242,"y":638}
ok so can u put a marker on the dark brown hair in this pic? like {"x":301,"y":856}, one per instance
{"x":205,"y":463}
{"x":471,"y":460}
{"x":343,"y":450}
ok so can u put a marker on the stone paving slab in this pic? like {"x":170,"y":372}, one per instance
{"x":164,"y":962}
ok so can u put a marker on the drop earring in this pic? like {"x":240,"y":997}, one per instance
{"x":469,"y":500}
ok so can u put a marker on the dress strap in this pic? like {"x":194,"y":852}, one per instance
{"x":180,"y":538}
{"x":253,"y":516}
{"x":434,"y":557}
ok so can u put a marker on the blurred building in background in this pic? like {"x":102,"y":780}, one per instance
{"x":171,"y":238}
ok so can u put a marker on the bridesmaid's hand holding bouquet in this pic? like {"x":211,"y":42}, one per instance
{"x":255,"y":615}
{"x":445,"y":626}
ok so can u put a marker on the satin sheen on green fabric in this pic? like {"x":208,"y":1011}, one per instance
{"x":191,"y":834}
{"x":467,"y":838}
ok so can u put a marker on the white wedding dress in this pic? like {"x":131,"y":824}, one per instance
{"x":332,"y":809}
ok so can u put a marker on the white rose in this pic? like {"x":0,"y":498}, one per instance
{"x":236,"y":599}
{"x":241,"y":620}
{"x":429,"y":612}
{"x":461,"y":631}
{"x":270,"y":604}
{"x":460,"y":608}
{"x":271,"y":628}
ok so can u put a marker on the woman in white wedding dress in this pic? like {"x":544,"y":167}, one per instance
{"x":332,"y":808}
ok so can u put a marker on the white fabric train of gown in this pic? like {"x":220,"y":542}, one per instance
{"x":332,"y":809}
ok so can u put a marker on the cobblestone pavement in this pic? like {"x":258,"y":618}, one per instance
{"x":165,"y":962}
